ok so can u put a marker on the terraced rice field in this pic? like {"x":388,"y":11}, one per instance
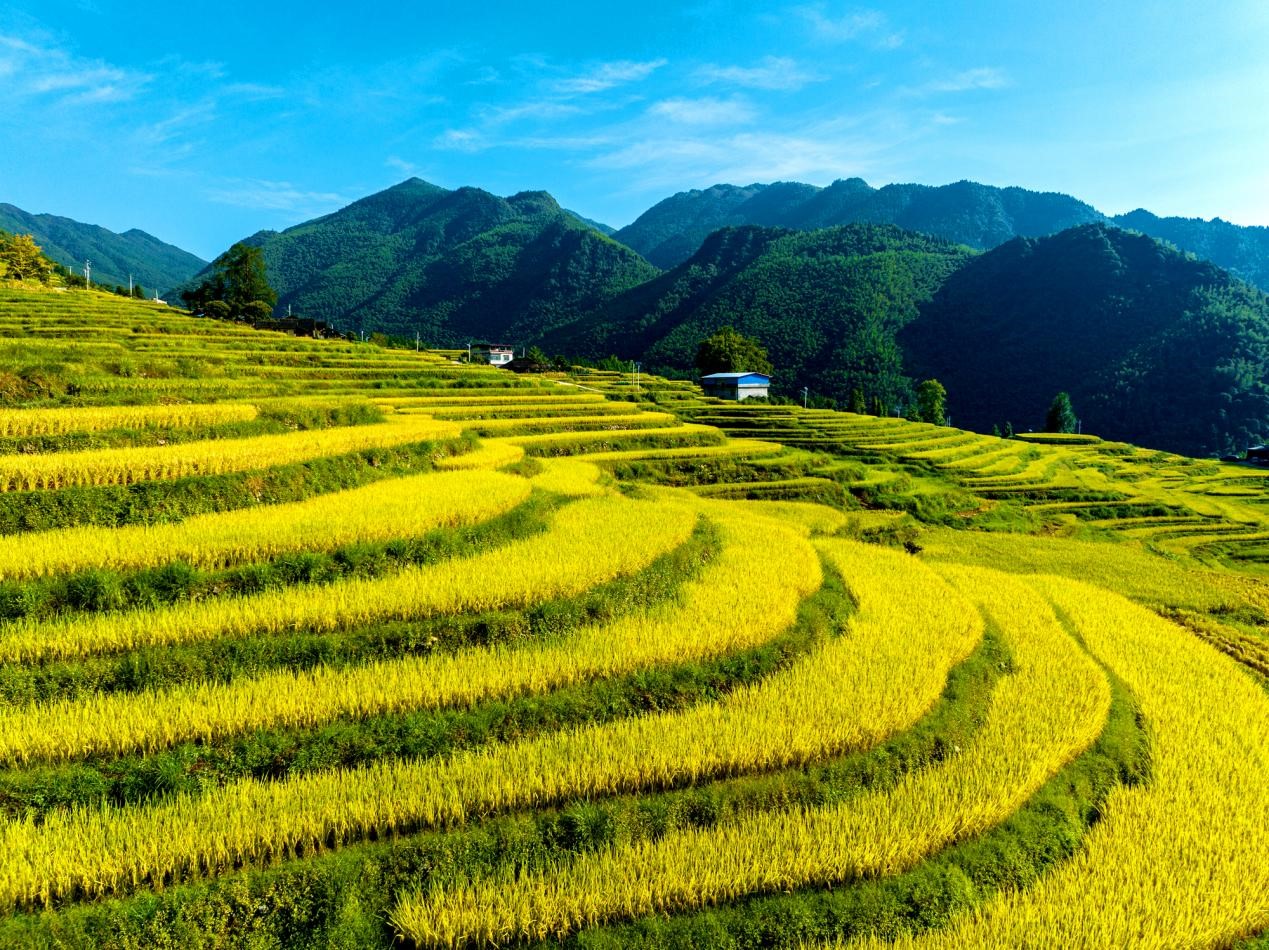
{"x":310,"y":643}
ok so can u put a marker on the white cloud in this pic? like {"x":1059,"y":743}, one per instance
{"x":773,"y":72}
{"x":275,"y":196}
{"x":539,"y":109}
{"x":820,"y":153}
{"x":460,"y":140}
{"x":705,"y":111}
{"x":607,"y":75}
{"x":849,"y":26}
{"x":61,"y":78}
{"x":253,"y":92}
{"x":407,"y":168}
{"x":984,"y":77}
{"x":14,"y":43}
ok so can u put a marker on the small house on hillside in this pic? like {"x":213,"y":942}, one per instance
{"x":737,"y":386}
{"x":1258,"y":453}
{"x":495,"y":354}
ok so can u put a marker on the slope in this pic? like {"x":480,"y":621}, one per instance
{"x":1153,"y":346}
{"x":151,"y":262}
{"x":826,"y":304}
{"x":449,"y":265}
{"x":966,"y":212}
{"x":1243,"y":251}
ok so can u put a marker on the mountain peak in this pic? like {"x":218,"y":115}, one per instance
{"x":534,"y":203}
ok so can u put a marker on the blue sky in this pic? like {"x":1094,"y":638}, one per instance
{"x":202,"y":123}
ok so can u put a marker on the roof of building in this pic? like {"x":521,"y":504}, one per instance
{"x":736,"y":377}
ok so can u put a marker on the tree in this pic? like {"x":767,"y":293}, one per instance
{"x":931,"y":402}
{"x":1008,"y":429}
{"x":857,"y":404}
{"x":729,"y":351}
{"x":257,"y":311}
{"x":1061,"y":415}
{"x":238,"y":279}
{"x":23,"y":259}
{"x":138,"y":291}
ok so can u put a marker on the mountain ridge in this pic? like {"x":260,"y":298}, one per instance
{"x":448,"y":264}
{"x":152,"y":262}
{"x":967,"y":212}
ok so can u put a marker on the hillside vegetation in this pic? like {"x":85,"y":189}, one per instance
{"x":311,"y":643}
{"x":449,"y":265}
{"x":157,"y":265}
{"x":980,"y":216}
{"x":1153,"y":346}
{"x":826,"y":304}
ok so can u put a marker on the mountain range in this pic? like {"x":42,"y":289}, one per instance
{"x":1005,"y":295}
{"x":980,"y":216}
{"x":151,"y":262}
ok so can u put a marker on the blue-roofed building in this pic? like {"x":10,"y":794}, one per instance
{"x":737,"y":386}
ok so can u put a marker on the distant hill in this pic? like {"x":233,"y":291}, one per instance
{"x":980,"y":216}
{"x":604,"y":229}
{"x":1243,"y":251}
{"x":152,"y":263}
{"x":1154,"y":346}
{"x":448,"y":264}
{"x":967,"y":213}
{"x":827,"y":304}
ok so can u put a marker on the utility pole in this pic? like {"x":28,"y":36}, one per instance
{"x":88,"y":273}
{"x":129,"y":285}
{"x":638,"y":368}
{"x":416,"y":341}
{"x":805,"y":393}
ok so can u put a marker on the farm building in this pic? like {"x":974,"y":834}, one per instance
{"x":1258,"y":453}
{"x":737,"y":386}
{"x":495,"y":354}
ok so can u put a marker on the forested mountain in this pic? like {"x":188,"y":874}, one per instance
{"x":1243,"y":251}
{"x":1153,"y":346}
{"x":827,"y":305}
{"x":965,"y":212}
{"x":448,"y":264}
{"x":151,"y":262}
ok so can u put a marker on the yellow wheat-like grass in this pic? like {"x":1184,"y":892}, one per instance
{"x":1053,"y":707}
{"x":32,"y":422}
{"x":125,"y":466}
{"x":591,"y":541}
{"x":679,"y":631}
{"x":397,"y":508}
{"x":1182,"y":860}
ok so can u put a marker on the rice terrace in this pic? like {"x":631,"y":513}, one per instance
{"x":713,"y":476}
{"x":313,"y":642}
